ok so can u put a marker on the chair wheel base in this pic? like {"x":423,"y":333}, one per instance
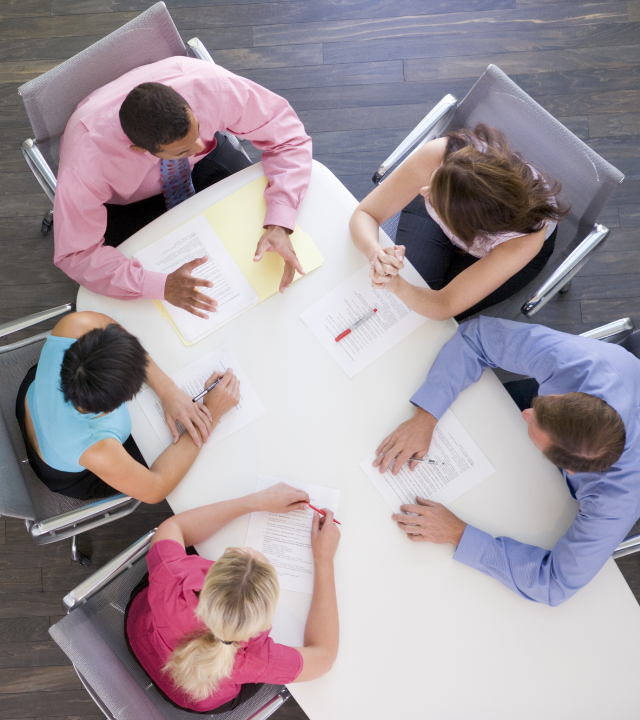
{"x":565,"y":288}
{"x":45,"y":227}
{"x":76,"y":555}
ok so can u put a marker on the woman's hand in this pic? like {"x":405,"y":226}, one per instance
{"x":325,"y":537}
{"x":385,"y":267}
{"x":224,"y":396}
{"x":282,"y":498}
{"x":195,"y":417}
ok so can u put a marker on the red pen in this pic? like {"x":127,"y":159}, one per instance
{"x":357,"y":324}
{"x":322,"y":512}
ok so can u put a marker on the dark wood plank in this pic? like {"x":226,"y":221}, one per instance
{"x":24,"y":630}
{"x":629,"y":216}
{"x":66,"y":703}
{"x":47,"y":295}
{"x":624,"y":123}
{"x":17,"y":205}
{"x":603,"y":311}
{"x":607,"y":262}
{"x":579,"y":126}
{"x":38,"y":679}
{"x":418,"y":24}
{"x":628,"y":193}
{"x":622,"y":240}
{"x":380,"y":94}
{"x":561,"y":310}
{"x":602,"y":287}
{"x":608,"y":76}
{"x":326,"y":75}
{"x":515,"y":51}
{"x":24,"y":579}
{"x":23,"y":8}
{"x":25,"y":604}
{"x":67,"y":26}
{"x":361,"y":118}
{"x":32,"y":654}
{"x":239,"y":59}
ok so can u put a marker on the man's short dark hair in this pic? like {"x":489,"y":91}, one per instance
{"x":586,"y":433}
{"x":103,"y":369}
{"x":153,"y":115}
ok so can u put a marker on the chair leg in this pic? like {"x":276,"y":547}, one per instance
{"x":76,"y":555}
{"x":47,"y":223}
{"x":565,"y":288}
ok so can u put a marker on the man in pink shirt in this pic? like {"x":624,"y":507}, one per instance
{"x":109,"y":183}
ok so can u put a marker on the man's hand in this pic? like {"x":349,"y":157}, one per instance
{"x":181,"y":290}
{"x":282,"y":498}
{"x":195,"y":417}
{"x":411,"y":439}
{"x":431,"y":522}
{"x":276,"y":239}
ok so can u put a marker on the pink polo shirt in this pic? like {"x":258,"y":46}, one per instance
{"x":162,"y":614}
{"x":97,"y":165}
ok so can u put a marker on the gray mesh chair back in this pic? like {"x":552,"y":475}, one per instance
{"x":92,"y":637}
{"x":36,"y":501}
{"x":587,"y":179}
{"x":51,"y":98}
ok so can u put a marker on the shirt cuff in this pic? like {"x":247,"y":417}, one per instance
{"x":281,"y":215}
{"x":153,"y":285}
{"x":431,"y":401}
{"x":472,"y":546}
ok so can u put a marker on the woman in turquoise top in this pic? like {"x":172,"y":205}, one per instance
{"x":72,"y":411}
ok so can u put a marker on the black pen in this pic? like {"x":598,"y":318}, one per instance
{"x":199,"y":396}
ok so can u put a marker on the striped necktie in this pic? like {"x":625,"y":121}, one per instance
{"x":175,"y":176}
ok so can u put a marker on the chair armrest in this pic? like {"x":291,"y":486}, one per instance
{"x":433,"y":124}
{"x":29,"y":320}
{"x":80,"y":594}
{"x":81,"y":514}
{"x":566,"y":270}
{"x":613,"y":332}
{"x":39,"y":167}
{"x":627,"y":547}
{"x":198,"y":50}
{"x":273,"y":704}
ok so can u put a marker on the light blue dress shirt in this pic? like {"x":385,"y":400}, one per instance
{"x":609,"y":501}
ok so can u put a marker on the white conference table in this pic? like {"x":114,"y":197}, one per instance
{"x":421,"y":636}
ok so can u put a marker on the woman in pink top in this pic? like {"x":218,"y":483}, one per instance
{"x":201,"y":629}
{"x":478,"y":224}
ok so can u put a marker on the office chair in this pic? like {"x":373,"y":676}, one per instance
{"x":51,"y":98}
{"x":92,"y":637}
{"x":587,"y":179}
{"x":49,"y":517}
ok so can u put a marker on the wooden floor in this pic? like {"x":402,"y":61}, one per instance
{"x":360,"y":74}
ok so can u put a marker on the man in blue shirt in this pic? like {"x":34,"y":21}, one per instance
{"x":585,"y":419}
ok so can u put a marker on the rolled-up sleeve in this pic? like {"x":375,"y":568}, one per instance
{"x":80,"y":223}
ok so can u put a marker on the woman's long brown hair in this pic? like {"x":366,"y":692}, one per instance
{"x":484,"y":187}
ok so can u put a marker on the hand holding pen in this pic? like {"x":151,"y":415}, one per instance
{"x":226,"y":396}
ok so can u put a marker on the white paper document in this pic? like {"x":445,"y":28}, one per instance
{"x":351,"y":301}
{"x":463,"y":466}
{"x":231,"y":288}
{"x":286,"y":538}
{"x":192,"y":379}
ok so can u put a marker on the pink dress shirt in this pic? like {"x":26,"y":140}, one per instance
{"x":162,"y":614}
{"x":97,"y":165}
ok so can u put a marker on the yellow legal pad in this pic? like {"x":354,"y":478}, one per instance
{"x":238,"y":221}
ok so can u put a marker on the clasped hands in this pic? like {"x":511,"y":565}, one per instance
{"x":181,"y":287}
{"x":385,"y":267}
{"x":429,"y":521}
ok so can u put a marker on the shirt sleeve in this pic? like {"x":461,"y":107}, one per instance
{"x":548,"y":576}
{"x":283,"y":666}
{"x":486,"y":343}
{"x":269,"y":122}
{"x":80,"y":223}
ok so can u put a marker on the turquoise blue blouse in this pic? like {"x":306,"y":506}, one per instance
{"x":63,"y":433}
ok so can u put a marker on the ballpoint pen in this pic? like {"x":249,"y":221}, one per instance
{"x":427,"y":460}
{"x":357,"y":324}
{"x":199,"y":396}
{"x":322,"y":512}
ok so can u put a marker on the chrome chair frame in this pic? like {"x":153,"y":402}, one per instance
{"x":109,"y":572}
{"x":434,"y":125}
{"x":45,"y":175}
{"x":69,"y":524}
